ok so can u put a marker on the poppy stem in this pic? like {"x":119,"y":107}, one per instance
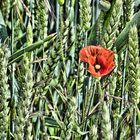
{"x":100,"y":91}
{"x":94,"y":84}
{"x":101,"y":97}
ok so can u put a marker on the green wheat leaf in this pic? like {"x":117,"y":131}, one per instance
{"x":17,"y":55}
{"x":51,"y":122}
{"x":124,"y":34}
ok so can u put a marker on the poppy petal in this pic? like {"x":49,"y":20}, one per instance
{"x":101,"y":61}
{"x":92,"y":50}
{"x":91,"y":70}
{"x":92,"y":60}
{"x":87,"y":54}
{"x":110,"y":57}
{"x":111,"y":67}
{"x":107,"y":70}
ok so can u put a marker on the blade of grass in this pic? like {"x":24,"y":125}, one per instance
{"x":31,"y":47}
{"x":124,"y":34}
{"x":19,"y":54}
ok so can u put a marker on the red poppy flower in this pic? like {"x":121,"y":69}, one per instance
{"x":100,"y":60}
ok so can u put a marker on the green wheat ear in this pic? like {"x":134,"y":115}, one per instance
{"x":111,"y":24}
{"x":133,"y":77}
{"x":28,"y":128}
{"x":133,"y":67}
{"x":23,"y":124}
{"x":85,"y":14}
{"x":4,"y":92}
{"x":105,"y":7}
{"x":24,"y":98}
{"x":5,"y":8}
{"x":70,"y":120}
{"x":106,"y":131}
{"x":104,"y":122}
{"x":93,"y":133}
{"x":42,"y":22}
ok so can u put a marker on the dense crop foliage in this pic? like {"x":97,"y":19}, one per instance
{"x":47,"y":92}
